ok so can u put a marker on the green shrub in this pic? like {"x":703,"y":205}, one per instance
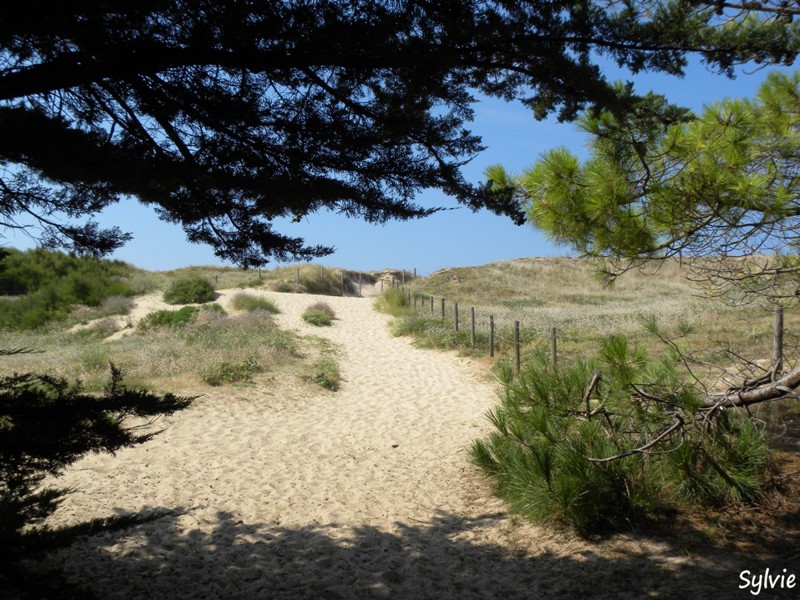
{"x":196,"y":290}
{"x":228,"y":372}
{"x":169,"y":318}
{"x":214,"y":308}
{"x":250,"y":303}
{"x":548,"y":426}
{"x":319,"y":314}
{"x":51,"y":283}
{"x":325,"y":372}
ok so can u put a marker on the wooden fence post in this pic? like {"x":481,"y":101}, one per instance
{"x":431,"y":305}
{"x":553,"y":348}
{"x":777,"y":343}
{"x":472,"y":326}
{"x":491,"y":336}
{"x":443,"y":315}
{"x":455,"y":306}
{"x":517,"y":357}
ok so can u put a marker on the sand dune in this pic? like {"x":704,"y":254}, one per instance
{"x":275,"y":492}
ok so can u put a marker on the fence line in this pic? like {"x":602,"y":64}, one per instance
{"x":777,"y":346}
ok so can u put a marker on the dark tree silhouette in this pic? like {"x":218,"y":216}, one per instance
{"x":225,"y":115}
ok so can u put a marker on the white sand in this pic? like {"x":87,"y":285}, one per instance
{"x":276,"y":492}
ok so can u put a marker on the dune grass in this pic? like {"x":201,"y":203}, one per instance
{"x":564,"y":293}
{"x":210,"y":348}
{"x":250,"y":303}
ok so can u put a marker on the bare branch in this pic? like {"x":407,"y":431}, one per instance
{"x":676,"y":423}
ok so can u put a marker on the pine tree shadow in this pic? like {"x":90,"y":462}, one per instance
{"x":217,"y":556}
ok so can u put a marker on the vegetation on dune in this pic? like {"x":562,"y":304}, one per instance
{"x":196,"y":290}
{"x":651,"y":388}
{"x":614,"y":440}
{"x":169,"y":318}
{"x":319,"y":314}
{"x":231,"y":372}
{"x":43,"y":286}
{"x":324,"y":370}
{"x":250,"y":303}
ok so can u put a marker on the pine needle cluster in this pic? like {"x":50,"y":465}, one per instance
{"x":615,"y":440}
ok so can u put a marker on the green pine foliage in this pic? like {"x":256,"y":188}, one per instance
{"x":41,"y":286}
{"x":196,"y":290}
{"x":550,"y":422}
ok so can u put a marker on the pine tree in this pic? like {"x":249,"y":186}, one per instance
{"x":611,"y":442}
{"x":226,"y":115}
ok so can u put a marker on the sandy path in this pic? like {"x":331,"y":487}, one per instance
{"x":292,"y":492}
{"x":382,"y":457}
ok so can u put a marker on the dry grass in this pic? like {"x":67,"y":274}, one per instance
{"x":162,"y":356}
{"x":564,"y":293}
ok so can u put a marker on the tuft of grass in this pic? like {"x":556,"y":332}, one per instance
{"x":393,"y":302}
{"x":249,"y":303}
{"x":169,"y":318}
{"x":115,"y":305}
{"x":325,"y":372}
{"x":190,"y":291}
{"x":319,"y":314}
{"x":230,"y":372}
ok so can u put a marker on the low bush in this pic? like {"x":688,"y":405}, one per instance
{"x":250,"y":303}
{"x":196,"y":290}
{"x":230,"y":372}
{"x":169,"y":318}
{"x":552,"y":421}
{"x":319,"y":314}
{"x":115,"y":305}
{"x":325,"y":372}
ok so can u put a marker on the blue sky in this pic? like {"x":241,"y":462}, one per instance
{"x":451,"y":238}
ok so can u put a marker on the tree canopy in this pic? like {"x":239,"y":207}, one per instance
{"x":721,"y":188}
{"x":225,"y":115}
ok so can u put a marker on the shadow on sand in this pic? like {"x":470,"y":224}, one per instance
{"x":217,"y":556}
